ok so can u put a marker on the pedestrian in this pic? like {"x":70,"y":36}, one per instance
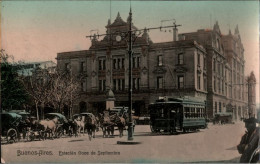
{"x":249,"y":141}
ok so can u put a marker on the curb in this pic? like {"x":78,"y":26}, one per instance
{"x":128,"y":142}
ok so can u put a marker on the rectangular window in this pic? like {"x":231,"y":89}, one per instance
{"x":180,"y":58}
{"x":159,"y":82}
{"x":81,"y":69}
{"x":100,"y":85}
{"x":138,"y":83}
{"x":114,"y":84}
{"x":218,"y":68}
{"x":114,"y":63}
{"x":81,"y":86}
{"x":180,"y":82}
{"x":205,"y":83}
{"x":198,"y":81}
{"x":118,"y":63}
{"x":123,"y":84}
{"x":134,"y":83}
{"x":123,"y":63}
{"x":204,"y":63}
{"x":134,"y":62}
{"x":104,"y":64}
{"x":214,"y":65}
{"x":104,"y":85}
{"x":216,"y":107}
{"x":160,"y":62}
{"x":219,"y":107}
{"x":214,"y":84}
{"x":100,"y":65}
{"x":219,"y":89}
{"x":198,"y":59}
{"x":119,"y":84}
{"x":84,"y":86}
{"x":223,"y":83}
{"x":138,"y":62}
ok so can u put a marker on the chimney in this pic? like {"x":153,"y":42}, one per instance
{"x":175,"y":34}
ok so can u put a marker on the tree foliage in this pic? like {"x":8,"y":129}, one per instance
{"x":64,"y":89}
{"x":13,"y":94}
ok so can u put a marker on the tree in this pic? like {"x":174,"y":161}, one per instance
{"x":64,"y":89}
{"x":38,"y":87}
{"x":13,"y":94}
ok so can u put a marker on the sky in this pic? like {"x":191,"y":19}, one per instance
{"x":38,"y":30}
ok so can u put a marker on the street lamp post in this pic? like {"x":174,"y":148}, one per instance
{"x":130,"y":53}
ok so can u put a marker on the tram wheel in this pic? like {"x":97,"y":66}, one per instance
{"x":11,"y":135}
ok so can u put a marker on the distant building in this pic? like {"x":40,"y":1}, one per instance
{"x":27,"y":68}
{"x":252,"y":95}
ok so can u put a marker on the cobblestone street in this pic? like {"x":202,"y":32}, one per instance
{"x":215,"y":144}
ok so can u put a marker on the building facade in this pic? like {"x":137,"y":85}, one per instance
{"x":176,"y":68}
{"x":225,"y":64}
{"x":204,"y":64}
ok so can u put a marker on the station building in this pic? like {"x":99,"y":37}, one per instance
{"x":198,"y":64}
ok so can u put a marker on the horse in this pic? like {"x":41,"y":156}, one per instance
{"x":33,"y":127}
{"x":120,"y":122}
{"x":71,"y":128}
{"x":49,"y":126}
{"x":80,"y":123}
{"x":91,"y":126}
{"x":106,"y":124}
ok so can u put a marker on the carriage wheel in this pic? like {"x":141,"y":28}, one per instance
{"x":11,"y":135}
{"x":59,"y":132}
{"x":152,"y":129}
{"x":32,"y":136}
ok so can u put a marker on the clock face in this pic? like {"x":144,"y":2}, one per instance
{"x":118,"y":38}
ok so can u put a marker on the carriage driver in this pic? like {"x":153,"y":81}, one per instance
{"x":249,"y":140}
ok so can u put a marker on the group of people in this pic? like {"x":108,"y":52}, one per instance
{"x":249,"y":145}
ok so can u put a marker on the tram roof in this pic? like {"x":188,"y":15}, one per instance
{"x":184,"y":100}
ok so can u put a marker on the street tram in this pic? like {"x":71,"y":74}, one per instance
{"x":177,"y":114}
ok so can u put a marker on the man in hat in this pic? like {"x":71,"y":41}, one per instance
{"x":249,"y":141}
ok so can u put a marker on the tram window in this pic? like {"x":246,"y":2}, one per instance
{"x":187,"y":112}
{"x":191,"y":112}
{"x":162,"y":113}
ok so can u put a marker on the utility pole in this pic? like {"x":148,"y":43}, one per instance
{"x":129,"y":34}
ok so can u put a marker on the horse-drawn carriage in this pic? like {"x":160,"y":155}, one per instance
{"x":117,"y":116}
{"x":222,"y":118}
{"x":11,"y":124}
{"x":61,"y":124}
{"x":86,"y":121}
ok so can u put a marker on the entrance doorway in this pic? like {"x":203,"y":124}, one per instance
{"x":82,"y":107}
